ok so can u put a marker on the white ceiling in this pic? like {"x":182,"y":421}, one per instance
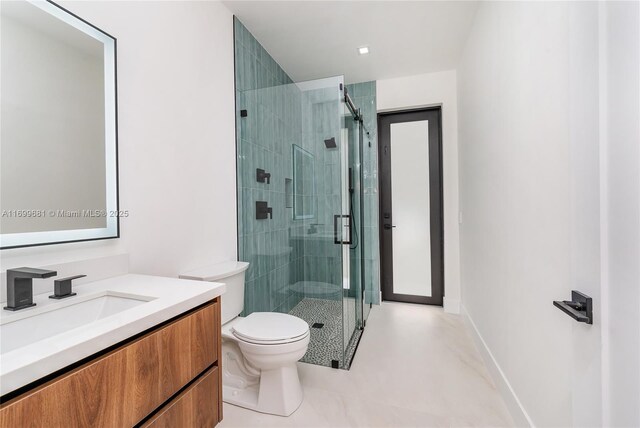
{"x":314,"y":39}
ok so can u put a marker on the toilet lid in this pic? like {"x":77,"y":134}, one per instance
{"x":265,"y":327}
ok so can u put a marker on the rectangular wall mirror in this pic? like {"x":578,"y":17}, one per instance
{"x":303,"y":184}
{"x":58,"y":142}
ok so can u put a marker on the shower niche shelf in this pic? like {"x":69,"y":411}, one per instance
{"x":288,"y":193}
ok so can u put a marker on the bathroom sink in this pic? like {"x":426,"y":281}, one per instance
{"x":17,"y":332}
{"x":55,"y":334}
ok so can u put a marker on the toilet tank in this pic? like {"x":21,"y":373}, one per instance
{"x":229,"y":273}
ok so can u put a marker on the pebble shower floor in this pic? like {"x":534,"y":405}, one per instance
{"x":326,"y":342}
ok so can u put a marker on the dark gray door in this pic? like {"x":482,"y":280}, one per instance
{"x":411,"y":225}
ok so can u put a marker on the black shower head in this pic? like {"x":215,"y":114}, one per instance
{"x":330,"y":143}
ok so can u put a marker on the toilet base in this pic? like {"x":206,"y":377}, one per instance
{"x":278,"y":393}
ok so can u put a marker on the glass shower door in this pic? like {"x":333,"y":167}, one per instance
{"x":318,"y":223}
{"x":370,"y":211}
{"x":353,"y":205}
{"x":299,"y":223}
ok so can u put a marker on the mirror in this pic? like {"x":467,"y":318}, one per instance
{"x":303,"y":184}
{"x":58,"y":143}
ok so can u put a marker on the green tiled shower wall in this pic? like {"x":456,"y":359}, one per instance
{"x":321,"y":113}
{"x":266,"y":92}
{"x":364,"y":97}
{"x":287,"y":262}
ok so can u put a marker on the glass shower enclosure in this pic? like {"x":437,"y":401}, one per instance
{"x":300,"y":210}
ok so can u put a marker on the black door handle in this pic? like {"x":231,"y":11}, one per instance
{"x":388,"y":226}
{"x":580,"y":307}
{"x":338,"y":219}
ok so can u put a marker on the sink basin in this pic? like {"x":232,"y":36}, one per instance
{"x":55,"y":334}
{"x":24,"y":331}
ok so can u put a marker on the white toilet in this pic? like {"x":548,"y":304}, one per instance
{"x":259,"y":352}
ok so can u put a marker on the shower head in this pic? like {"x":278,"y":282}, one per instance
{"x":330,"y":143}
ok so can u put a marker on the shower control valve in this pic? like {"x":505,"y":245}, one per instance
{"x":262,"y":176}
{"x":263,"y":211}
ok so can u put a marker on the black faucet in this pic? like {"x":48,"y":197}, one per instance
{"x":20,"y":286}
{"x":262,"y":176}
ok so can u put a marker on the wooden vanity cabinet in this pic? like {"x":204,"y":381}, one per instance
{"x":169,"y":377}
{"x":192,"y":407}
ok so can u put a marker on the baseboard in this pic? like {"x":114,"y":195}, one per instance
{"x":519,"y":414}
{"x":451,"y":306}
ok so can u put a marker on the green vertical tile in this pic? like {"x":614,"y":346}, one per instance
{"x":249,"y":297}
{"x":249,"y":208}
{"x":261,"y":249}
{"x":248,"y":255}
{"x":239,"y":68}
{"x":272,"y":283}
{"x":262,"y":298}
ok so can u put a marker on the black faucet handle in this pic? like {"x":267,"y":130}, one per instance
{"x":62,"y":287}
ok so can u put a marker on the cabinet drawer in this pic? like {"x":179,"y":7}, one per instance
{"x":196,"y":407}
{"x":125,"y":385}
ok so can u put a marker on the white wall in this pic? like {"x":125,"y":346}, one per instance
{"x":429,"y":90}
{"x":176,"y":137}
{"x":550,"y":191}
{"x":621,"y":254}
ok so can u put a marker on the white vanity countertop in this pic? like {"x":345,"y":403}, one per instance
{"x":164,"y":298}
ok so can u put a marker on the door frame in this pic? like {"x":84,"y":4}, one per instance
{"x":436,"y":200}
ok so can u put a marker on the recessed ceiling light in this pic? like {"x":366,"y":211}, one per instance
{"x":363,"y":50}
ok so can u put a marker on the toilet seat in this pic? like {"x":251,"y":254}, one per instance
{"x":270,"y":328}
{"x":270,"y":342}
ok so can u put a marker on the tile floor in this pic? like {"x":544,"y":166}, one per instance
{"x":415,"y":367}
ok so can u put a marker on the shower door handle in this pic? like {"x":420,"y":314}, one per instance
{"x":338,"y":229}
{"x":388,"y":226}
